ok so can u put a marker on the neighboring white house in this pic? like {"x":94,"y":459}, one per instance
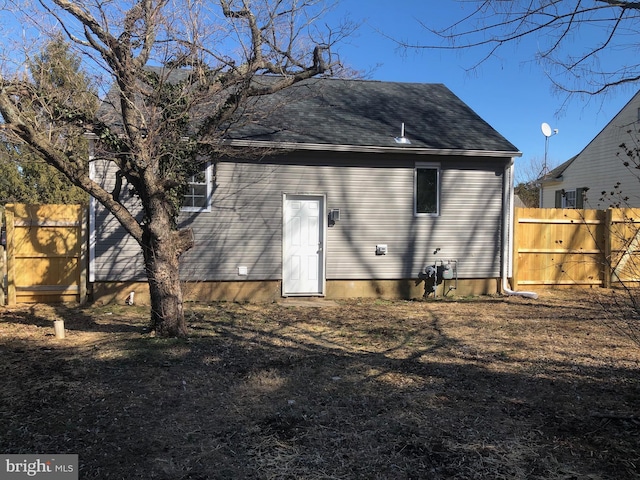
{"x":601,"y":175}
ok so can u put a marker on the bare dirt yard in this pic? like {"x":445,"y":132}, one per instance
{"x":482,"y":388}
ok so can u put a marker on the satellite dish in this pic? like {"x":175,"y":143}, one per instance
{"x":546,"y":129}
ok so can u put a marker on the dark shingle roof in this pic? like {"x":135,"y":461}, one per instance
{"x":557,"y":172}
{"x":356,"y":113}
{"x":370,"y":113}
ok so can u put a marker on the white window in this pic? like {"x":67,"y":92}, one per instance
{"x":198,"y":195}
{"x":426,"y":190}
{"x":569,"y":199}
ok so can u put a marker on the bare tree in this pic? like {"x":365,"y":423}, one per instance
{"x":527,"y":179}
{"x":182,"y":71}
{"x":604,"y":27}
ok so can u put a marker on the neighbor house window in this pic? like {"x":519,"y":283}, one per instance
{"x":198,"y":195}
{"x":427,"y":189}
{"x":570,"y":198}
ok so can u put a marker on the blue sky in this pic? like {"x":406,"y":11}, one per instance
{"x":510,"y":92}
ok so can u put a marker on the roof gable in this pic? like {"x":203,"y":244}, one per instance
{"x":630,"y":109}
{"x":556,"y":173}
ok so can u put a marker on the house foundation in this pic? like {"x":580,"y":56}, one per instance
{"x":271,"y":291}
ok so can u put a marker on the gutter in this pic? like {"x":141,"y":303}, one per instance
{"x":326,"y":147}
{"x":507,"y":233}
{"x":368,"y":148}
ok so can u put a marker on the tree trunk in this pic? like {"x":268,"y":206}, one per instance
{"x":161,"y":256}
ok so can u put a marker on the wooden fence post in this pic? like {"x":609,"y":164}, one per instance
{"x":515,"y":256}
{"x":11,"y":273}
{"x":3,"y":264}
{"x":607,"y":267}
{"x":83,"y":239}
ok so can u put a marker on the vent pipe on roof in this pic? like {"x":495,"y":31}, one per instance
{"x":402,"y":139}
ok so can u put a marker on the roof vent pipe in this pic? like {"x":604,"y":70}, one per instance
{"x":507,"y":233}
{"x":402,"y":138}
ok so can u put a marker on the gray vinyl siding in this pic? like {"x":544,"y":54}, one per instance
{"x":117,"y":255}
{"x":375,"y":197}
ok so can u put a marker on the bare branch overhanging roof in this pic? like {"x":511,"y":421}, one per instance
{"x":363,"y":113}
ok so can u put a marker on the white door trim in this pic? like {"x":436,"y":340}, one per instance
{"x":289,"y":288}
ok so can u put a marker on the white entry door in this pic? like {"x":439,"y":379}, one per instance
{"x":303,"y":249}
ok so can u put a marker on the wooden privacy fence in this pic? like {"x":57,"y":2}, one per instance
{"x":46,"y":250}
{"x":45,"y":253}
{"x":555,"y":247}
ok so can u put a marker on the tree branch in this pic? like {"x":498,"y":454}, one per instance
{"x":493,"y":24}
{"x":90,"y":24}
{"x":75,"y":171}
{"x":621,"y":4}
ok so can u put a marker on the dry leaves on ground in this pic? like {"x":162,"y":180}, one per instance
{"x":484,"y":388}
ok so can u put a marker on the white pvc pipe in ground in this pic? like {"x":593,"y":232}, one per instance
{"x":58,"y":328}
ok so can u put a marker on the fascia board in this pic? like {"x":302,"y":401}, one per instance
{"x":368,"y":149}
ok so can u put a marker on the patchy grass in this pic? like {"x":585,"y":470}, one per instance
{"x":490,"y":388}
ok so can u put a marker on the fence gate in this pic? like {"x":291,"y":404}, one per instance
{"x":46,"y":253}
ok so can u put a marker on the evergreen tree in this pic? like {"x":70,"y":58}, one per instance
{"x":13,"y":188}
{"x":24,"y":176}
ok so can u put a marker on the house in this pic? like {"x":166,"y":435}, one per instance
{"x":601,"y":175}
{"x":363,"y":186}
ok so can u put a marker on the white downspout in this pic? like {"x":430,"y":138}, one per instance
{"x":92,"y":212}
{"x":507,"y":233}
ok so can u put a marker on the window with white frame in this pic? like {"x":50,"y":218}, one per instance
{"x":569,"y":199}
{"x":427,"y":189}
{"x":198,"y":194}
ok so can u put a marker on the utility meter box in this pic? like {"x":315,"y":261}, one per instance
{"x":448,"y":272}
